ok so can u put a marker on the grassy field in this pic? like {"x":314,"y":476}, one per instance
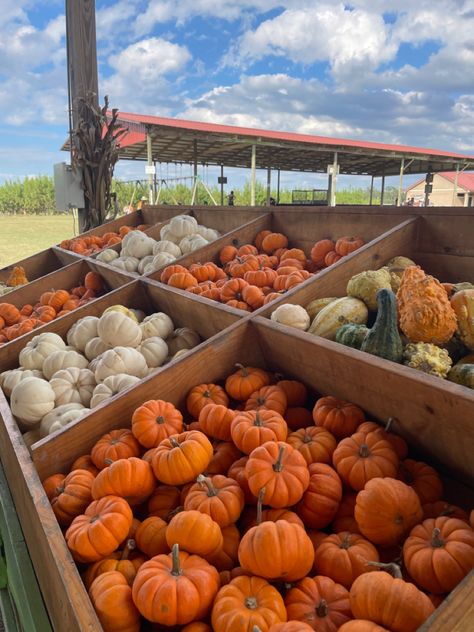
{"x":21,"y":236}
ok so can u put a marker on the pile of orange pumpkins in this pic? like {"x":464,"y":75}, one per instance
{"x":91,"y":244}
{"x":255,"y":274}
{"x":260,"y":510}
{"x":15,"y":322}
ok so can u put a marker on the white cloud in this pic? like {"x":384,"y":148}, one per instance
{"x":348,"y":39}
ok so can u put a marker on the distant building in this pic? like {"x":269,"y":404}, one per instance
{"x":443,"y":189}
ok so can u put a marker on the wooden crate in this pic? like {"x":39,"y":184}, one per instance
{"x":65,"y":278}
{"x":255,"y":343}
{"x":301,"y":235}
{"x":40,"y":264}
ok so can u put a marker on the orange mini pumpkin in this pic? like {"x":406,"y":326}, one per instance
{"x":69,"y":495}
{"x":218,"y":496}
{"x":116,"y":444}
{"x":241,"y":384}
{"x":339,"y":417}
{"x":100,"y":530}
{"x":130,"y":478}
{"x":154,"y":421}
{"x":111,"y":597}
{"x":193,"y":582}
{"x":204,"y":394}
{"x":180,"y":458}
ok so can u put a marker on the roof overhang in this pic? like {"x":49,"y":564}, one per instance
{"x":186,"y":142}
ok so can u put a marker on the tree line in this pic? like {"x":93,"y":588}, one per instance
{"x":35,"y":196}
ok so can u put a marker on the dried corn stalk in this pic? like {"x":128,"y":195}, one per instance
{"x":95,"y":143}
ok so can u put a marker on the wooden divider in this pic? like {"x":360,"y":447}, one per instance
{"x":382,"y":393}
{"x":39,"y":264}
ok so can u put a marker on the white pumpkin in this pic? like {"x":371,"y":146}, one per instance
{"x":138,"y":313}
{"x":129,"y":264}
{"x":149,"y":269}
{"x":73,"y":385}
{"x":182,"y":225}
{"x":144,"y":263}
{"x":123,"y":310}
{"x":107,"y":255}
{"x":162,"y":259}
{"x":165,"y":245}
{"x":137,"y":244}
{"x":60,"y":417}
{"x":111,"y":386}
{"x":158,"y":324}
{"x":182,"y":338}
{"x":192,"y":243}
{"x":154,"y":350}
{"x":209,"y":234}
{"x":31,"y":400}
{"x":30,"y":437}
{"x":81,"y":332}
{"x":95,"y":347}
{"x":63,"y":360}
{"x":292,"y":315}
{"x":167,"y":234}
{"x":38,"y":349}
{"x":9,"y":379}
{"x":120,"y":360}
{"x":116,"y":328}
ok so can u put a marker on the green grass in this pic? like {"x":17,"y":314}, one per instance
{"x":22,"y":236}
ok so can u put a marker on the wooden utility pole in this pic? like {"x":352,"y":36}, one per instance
{"x":82,"y":64}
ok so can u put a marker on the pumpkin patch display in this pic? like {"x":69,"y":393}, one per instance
{"x":235,"y":540}
{"x":136,"y":251}
{"x":104,"y":356}
{"x":255,"y":274}
{"x":50,"y":305}
{"x":417,"y":321}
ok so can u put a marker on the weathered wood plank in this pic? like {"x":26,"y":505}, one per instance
{"x":39,"y":264}
{"x":456,"y":613}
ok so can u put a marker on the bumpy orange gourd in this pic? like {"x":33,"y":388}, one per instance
{"x":424,"y":310}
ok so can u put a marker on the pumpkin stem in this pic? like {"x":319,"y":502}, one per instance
{"x":251,"y":603}
{"x":174,"y":443}
{"x":346,"y":541}
{"x":160,"y":419}
{"x":278,"y":466}
{"x":322,"y":608}
{"x":307,"y":438}
{"x":245,"y":373}
{"x":108,"y":461}
{"x":211,"y":490}
{"x":364,"y":451}
{"x":389,"y":423}
{"x":391,"y":568}
{"x":176,"y":568}
{"x":437,"y":541}
{"x":173,"y":512}
{"x":129,"y":546}
{"x":261,"y":496}
{"x":258,"y":421}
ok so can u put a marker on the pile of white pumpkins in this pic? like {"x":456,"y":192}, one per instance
{"x":141,"y":254}
{"x":57,"y":383}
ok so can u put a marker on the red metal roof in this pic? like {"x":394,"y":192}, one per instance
{"x":200,"y":126}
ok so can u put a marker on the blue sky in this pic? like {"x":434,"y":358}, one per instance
{"x":379,"y":70}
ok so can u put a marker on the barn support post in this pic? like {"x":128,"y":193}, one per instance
{"x":269,"y":184}
{"x":332,"y":184}
{"x":195,"y":171}
{"x":278,"y":187}
{"x":222,"y":185}
{"x":149,"y":156}
{"x":371,"y":190}
{"x":382,"y":191}
{"x":400,"y":184}
{"x":253,"y":174}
